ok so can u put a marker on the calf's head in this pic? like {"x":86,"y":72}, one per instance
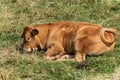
{"x":29,"y":43}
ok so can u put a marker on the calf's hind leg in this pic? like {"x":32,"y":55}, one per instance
{"x":79,"y":51}
{"x":79,"y":57}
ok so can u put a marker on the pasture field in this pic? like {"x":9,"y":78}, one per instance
{"x":16,"y":14}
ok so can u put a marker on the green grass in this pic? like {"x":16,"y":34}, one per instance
{"x":16,"y":14}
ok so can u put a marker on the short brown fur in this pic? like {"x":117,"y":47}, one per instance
{"x":61,"y":38}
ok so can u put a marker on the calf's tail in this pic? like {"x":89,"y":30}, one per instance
{"x":108,"y":35}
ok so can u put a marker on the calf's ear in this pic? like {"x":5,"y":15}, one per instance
{"x":34,"y":32}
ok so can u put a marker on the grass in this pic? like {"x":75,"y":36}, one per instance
{"x":16,"y":14}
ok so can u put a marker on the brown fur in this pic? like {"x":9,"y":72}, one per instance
{"x":59,"y":38}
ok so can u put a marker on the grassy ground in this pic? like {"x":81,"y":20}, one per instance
{"x":16,"y":14}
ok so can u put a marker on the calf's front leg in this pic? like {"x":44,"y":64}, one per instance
{"x":54,"y":52}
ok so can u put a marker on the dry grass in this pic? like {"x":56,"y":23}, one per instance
{"x":16,"y":14}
